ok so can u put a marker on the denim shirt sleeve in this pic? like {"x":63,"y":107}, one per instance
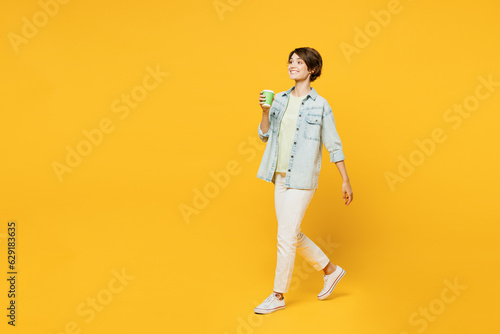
{"x":330,"y":136}
{"x":264,"y":136}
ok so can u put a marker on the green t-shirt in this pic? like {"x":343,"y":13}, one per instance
{"x":287,"y":131}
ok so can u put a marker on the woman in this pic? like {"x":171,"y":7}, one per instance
{"x":295,"y":126}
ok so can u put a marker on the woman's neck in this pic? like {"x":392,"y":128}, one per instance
{"x":301,"y":88}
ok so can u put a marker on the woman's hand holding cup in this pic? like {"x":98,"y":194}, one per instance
{"x":266,"y":98}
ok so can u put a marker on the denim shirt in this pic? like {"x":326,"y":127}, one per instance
{"x":315,"y":126}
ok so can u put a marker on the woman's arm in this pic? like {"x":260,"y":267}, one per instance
{"x":333,"y":144}
{"x":341,"y":167}
{"x":330,"y":136}
{"x":346,"y":185}
{"x":264,"y":124}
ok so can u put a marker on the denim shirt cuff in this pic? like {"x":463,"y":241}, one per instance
{"x":262,"y":134}
{"x":337,"y":156}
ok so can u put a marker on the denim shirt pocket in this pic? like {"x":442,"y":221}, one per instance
{"x":313,"y":127}
{"x":273,"y":118}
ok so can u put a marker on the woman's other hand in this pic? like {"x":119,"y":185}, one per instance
{"x":347,"y":192}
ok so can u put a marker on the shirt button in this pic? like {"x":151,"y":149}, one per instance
{"x":300,"y":115}
{"x":295,"y":142}
{"x":297,"y":128}
{"x":289,"y":170}
{"x":292,"y":156}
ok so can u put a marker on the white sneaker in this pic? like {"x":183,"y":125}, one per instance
{"x":270,"y":304}
{"x":330,"y":282}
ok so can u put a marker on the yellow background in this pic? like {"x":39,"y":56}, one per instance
{"x":120,"y":207}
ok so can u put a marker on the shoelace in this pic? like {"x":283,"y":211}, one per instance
{"x":270,"y":299}
{"x":325,"y":278}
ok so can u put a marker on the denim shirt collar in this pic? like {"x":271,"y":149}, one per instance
{"x":313,"y":94}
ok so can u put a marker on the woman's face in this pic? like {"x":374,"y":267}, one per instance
{"x":297,"y":68}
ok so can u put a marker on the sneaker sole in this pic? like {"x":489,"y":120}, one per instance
{"x":260,"y":311}
{"x":329,"y":292}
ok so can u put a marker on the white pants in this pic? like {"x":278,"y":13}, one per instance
{"x":291,"y":205}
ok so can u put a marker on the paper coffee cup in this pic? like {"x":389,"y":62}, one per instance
{"x":269,"y":97}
